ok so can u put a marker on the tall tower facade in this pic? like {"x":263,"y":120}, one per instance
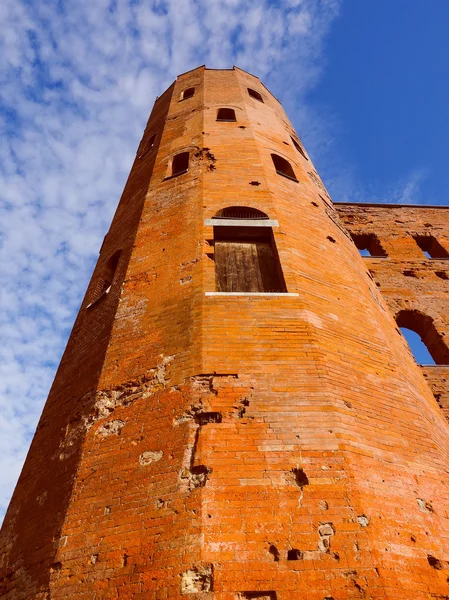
{"x":236,"y":415}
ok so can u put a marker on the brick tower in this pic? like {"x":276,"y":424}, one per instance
{"x":236,"y":414}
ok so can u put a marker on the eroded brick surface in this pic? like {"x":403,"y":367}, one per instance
{"x":239,"y":447}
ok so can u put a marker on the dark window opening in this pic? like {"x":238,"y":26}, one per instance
{"x":240,"y":212}
{"x":149,"y":144}
{"x":188,"y":93}
{"x":180,"y":164}
{"x":105,"y":280}
{"x":431,"y":247}
{"x":283,"y":167}
{"x":442,"y":275}
{"x":226,"y":114}
{"x":294,"y":554}
{"x":368,"y":244}
{"x":426,"y":344}
{"x":298,"y":147}
{"x":255,"y":95}
{"x":246,"y":260}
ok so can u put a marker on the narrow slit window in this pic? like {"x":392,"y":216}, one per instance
{"x":180,"y":164}
{"x":255,"y":95}
{"x":298,"y":147}
{"x":431,"y":247}
{"x":188,"y":93}
{"x":426,"y":344}
{"x":283,"y":167}
{"x":149,"y":144}
{"x":368,"y":244}
{"x":246,"y":260}
{"x":226,"y":114}
{"x":105,"y":280}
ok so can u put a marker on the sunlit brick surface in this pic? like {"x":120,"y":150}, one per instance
{"x":245,"y":446}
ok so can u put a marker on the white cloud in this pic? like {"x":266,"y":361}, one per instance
{"x":77,"y":85}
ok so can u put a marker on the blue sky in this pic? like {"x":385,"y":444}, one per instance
{"x":364,"y":82}
{"x":387,"y":86}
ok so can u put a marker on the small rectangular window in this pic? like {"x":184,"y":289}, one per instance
{"x":368,"y":244}
{"x":431,"y":247}
{"x":255,"y":95}
{"x":246,"y":260}
{"x":226,"y":114}
{"x":180,"y":164}
{"x":188,"y":93}
{"x":148,"y":145}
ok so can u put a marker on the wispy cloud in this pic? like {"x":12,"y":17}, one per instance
{"x":78,"y":82}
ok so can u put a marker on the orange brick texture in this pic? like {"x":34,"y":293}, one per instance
{"x":226,"y":447}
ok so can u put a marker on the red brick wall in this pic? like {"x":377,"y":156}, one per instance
{"x":240,"y":446}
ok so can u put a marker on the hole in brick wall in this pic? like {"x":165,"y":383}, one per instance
{"x":434,"y":562}
{"x":298,"y":147}
{"x":257,"y":596}
{"x":368,"y":244}
{"x":331,"y":239}
{"x":180,"y":164}
{"x":430,"y":246}
{"x":226,"y":114}
{"x":410,"y":273}
{"x":254,"y":183}
{"x":104,"y":282}
{"x":242,"y":127}
{"x":255,"y":95}
{"x":425,"y":342}
{"x":442,"y":275}
{"x":283,"y":167}
{"x":274,"y":552}
{"x":294,"y":554}
{"x":188,"y":93}
{"x":204,"y":418}
{"x":314,"y":204}
{"x":301,"y":478}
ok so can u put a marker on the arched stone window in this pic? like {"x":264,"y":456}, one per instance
{"x":246,"y":258}
{"x":180,"y":164}
{"x":283,"y":167}
{"x":226,"y":114}
{"x":240,"y":212}
{"x":255,"y":95}
{"x":105,"y":280}
{"x":424,"y":331}
{"x":188,"y":93}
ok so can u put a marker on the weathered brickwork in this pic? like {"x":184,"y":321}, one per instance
{"x":240,"y":446}
{"x":406,"y":277}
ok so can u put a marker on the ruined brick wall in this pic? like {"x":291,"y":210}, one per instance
{"x":198,"y":444}
{"x":408,"y":279}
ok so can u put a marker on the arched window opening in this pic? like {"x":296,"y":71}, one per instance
{"x":368,"y":244}
{"x":106,"y":279}
{"x":255,"y":95}
{"x":226,"y":114}
{"x":246,"y":260}
{"x":180,"y":164}
{"x":426,"y":344}
{"x":188,"y":93}
{"x":431,"y":247}
{"x":240,"y":212}
{"x":298,"y":147}
{"x":149,"y":144}
{"x":283,"y":167}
